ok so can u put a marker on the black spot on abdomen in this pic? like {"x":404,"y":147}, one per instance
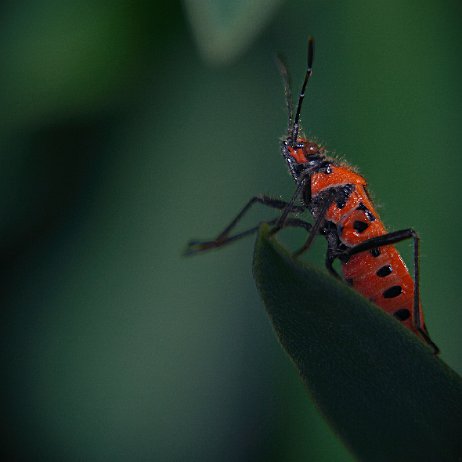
{"x":360,"y":226}
{"x":375,"y":252}
{"x":402,"y":314}
{"x":392,"y":292}
{"x":384,"y":271}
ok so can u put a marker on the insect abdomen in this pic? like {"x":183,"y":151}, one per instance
{"x":382,"y":277}
{"x":380,"y":274}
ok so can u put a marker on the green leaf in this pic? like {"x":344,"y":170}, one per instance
{"x":224,"y":29}
{"x":381,"y":389}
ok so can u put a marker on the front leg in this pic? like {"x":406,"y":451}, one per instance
{"x":194,"y":247}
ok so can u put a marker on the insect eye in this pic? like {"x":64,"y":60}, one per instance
{"x":311,"y":148}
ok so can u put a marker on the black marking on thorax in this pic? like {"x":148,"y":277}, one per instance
{"x":370,"y":216}
{"x":343,"y":194}
{"x":337,"y":194}
{"x":325,"y":167}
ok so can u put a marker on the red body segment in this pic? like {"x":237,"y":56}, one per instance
{"x":380,"y":275}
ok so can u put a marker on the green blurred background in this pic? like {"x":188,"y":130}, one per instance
{"x":129,"y":127}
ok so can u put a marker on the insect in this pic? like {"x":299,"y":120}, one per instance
{"x":343,"y":212}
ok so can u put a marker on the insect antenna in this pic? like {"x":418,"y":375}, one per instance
{"x":284,"y":71}
{"x":309,"y":70}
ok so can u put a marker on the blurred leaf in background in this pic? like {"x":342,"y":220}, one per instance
{"x":119,"y":142}
{"x":224,"y":29}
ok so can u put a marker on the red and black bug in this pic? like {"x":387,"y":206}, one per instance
{"x":337,"y":198}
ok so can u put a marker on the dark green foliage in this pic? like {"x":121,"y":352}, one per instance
{"x":382,"y":390}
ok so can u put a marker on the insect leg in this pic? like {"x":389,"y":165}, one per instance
{"x":304,"y":179}
{"x":329,"y":264}
{"x":200,"y":246}
{"x":394,"y":238}
{"x":287,"y":90}
{"x":317,"y":226}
